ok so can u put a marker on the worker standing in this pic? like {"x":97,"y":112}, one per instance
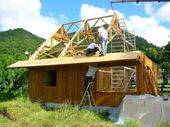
{"x":90,"y":75}
{"x":103,"y":35}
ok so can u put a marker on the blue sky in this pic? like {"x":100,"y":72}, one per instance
{"x":149,"y":20}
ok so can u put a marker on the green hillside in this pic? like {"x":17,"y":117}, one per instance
{"x":142,"y":43}
{"x":13,"y":44}
{"x":18,"y":41}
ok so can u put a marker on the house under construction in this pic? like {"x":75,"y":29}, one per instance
{"x":58,"y":75}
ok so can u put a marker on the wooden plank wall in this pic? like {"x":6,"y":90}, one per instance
{"x":70,"y":85}
{"x":33,"y":81}
{"x":69,"y":88}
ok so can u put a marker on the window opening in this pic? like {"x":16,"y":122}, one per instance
{"x":49,"y":77}
{"x":116,"y":78}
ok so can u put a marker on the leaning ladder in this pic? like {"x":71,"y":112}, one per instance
{"x":88,"y":96}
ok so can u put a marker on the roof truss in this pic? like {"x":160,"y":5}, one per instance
{"x":75,"y":36}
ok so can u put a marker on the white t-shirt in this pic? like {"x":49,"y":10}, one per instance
{"x":103,"y":32}
{"x":91,"y":71}
{"x":92,"y":46}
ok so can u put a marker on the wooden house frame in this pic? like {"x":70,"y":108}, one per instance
{"x":61,"y":80}
{"x":57,"y":76}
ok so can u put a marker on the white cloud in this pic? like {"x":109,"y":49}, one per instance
{"x":90,"y":11}
{"x":162,"y":13}
{"x":141,"y":23}
{"x":150,"y":29}
{"x":146,"y":27}
{"x":26,"y":14}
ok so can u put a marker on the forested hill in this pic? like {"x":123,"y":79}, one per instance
{"x":142,"y":44}
{"x":13,"y":44}
{"x":17,"y":41}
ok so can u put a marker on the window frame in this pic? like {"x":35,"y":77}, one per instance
{"x":100,"y":85}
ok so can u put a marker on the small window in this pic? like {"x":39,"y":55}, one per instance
{"x":49,"y":77}
{"x":116,"y":79}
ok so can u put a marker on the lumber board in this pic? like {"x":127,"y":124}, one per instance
{"x":112,"y":57}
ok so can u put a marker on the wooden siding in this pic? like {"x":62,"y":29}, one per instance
{"x":70,"y":80}
{"x":69,"y":84}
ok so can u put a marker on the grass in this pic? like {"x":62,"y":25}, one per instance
{"x":21,"y":112}
{"x":131,"y":123}
{"x":163,"y":124}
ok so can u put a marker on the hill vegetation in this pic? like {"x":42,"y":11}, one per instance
{"x":16,"y":42}
{"x":13,"y":44}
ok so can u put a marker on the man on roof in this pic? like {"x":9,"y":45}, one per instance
{"x":91,"y":49}
{"x":103,"y":35}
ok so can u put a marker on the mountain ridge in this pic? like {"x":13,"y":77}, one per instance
{"x":11,"y":41}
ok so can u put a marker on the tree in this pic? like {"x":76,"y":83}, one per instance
{"x":152,"y":54}
{"x":165,"y":66}
{"x":167,"y":52}
{"x":13,"y":44}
